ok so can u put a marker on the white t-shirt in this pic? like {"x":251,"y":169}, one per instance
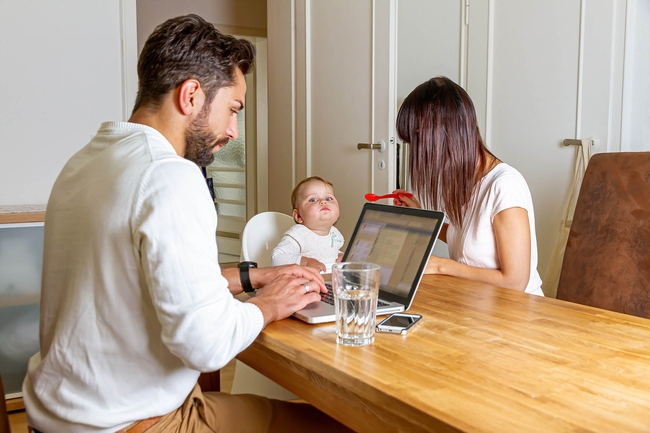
{"x":133,"y":303}
{"x":299,"y":241}
{"x":474,"y":244}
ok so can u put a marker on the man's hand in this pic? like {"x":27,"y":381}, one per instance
{"x":285,"y":295}
{"x":263,"y":276}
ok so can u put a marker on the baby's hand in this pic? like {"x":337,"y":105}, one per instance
{"x":339,"y":258}
{"x":312,"y":263}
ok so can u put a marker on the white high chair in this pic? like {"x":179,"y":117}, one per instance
{"x":261,"y":234}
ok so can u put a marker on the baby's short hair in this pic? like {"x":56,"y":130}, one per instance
{"x":296,"y":190}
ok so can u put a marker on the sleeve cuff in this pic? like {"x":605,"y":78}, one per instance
{"x":257,"y":322}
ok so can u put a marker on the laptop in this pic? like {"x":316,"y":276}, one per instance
{"x":400,"y":241}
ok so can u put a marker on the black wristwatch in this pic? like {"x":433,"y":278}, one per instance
{"x":244,"y":276}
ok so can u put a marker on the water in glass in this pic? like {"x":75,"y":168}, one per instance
{"x":355,"y":317}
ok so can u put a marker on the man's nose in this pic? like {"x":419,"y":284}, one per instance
{"x":232,"y":131}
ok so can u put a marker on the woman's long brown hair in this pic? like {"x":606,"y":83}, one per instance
{"x":448,"y":156}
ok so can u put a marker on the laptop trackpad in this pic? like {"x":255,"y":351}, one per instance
{"x":317,"y":305}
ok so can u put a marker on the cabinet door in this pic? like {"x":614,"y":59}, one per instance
{"x":329,"y":89}
{"x":21,"y":263}
{"x":338,"y":71}
{"x":541,"y":72}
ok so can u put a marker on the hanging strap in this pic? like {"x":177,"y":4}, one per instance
{"x":583,"y":155}
{"x":586,"y":146}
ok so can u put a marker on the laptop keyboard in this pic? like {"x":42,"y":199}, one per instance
{"x":328,"y":297}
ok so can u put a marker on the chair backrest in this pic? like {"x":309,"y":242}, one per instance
{"x":4,"y":416}
{"x":607,"y":258}
{"x":261,"y":234}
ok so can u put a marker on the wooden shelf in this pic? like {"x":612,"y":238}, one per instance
{"x":14,"y":404}
{"x":14,"y":301}
{"x":22,"y":217}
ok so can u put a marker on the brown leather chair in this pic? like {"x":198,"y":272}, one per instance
{"x":607,"y":258}
{"x":210,"y":382}
{"x":4,"y":416}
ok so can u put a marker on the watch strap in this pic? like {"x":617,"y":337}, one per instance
{"x":244,"y":275}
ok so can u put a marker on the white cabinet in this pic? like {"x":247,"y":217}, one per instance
{"x":21,"y":262}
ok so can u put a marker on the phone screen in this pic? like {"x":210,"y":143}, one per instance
{"x":400,"y":321}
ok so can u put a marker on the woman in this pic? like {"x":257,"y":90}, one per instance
{"x":491,"y":233}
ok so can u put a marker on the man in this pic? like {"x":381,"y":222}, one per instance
{"x":134,"y":304}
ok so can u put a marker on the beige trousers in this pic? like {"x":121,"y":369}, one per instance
{"x":226,"y":413}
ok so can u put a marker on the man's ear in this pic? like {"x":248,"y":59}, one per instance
{"x":190,"y":97}
{"x":296,"y":216}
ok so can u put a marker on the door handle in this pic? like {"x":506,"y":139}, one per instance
{"x":576,"y":142}
{"x":374,"y":146}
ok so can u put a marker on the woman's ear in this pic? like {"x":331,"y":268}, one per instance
{"x":296,"y":216}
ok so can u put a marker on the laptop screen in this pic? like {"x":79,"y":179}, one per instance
{"x":400,"y":241}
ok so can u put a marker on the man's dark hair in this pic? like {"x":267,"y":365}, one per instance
{"x":188,"y":47}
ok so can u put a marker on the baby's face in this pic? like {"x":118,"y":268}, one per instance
{"x":317,"y":207}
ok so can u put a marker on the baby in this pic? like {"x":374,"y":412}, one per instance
{"x":313,"y":241}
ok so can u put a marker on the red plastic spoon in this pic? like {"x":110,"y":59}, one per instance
{"x":374,"y":197}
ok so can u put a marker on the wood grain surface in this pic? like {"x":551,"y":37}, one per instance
{"x":482,"y":359}
{"x":26,"y":217}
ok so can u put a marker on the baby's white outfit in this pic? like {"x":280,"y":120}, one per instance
{"x":299,"y":241}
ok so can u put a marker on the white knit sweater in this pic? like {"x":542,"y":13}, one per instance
{"x":133,"y":302}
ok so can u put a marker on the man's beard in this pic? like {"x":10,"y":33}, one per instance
{"x":200,"y":141}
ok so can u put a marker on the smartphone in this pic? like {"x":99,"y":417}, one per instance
{"x":398,"y":323}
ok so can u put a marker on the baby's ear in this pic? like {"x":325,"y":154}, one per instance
{"x":296,"y":217}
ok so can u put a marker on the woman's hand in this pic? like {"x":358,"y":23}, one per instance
{"x":438,"y":265}
{"x":404,"y":201}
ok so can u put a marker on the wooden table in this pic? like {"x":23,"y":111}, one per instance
{"x":483,"y":359}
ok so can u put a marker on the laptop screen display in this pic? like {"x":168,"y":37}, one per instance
{"x":398,"y":242}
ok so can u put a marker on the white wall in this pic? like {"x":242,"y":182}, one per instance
{"x":61,"y":76}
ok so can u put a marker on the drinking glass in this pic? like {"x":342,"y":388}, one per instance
{"x":355,"y":286}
